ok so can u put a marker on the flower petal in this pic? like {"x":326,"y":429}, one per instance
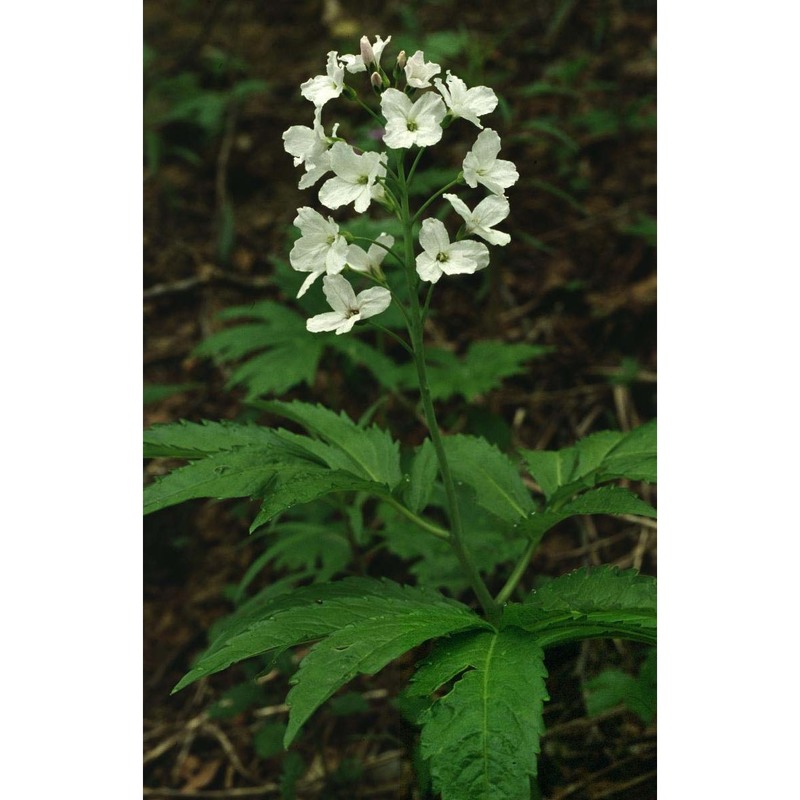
{"x":428,"y":268}
{"x":373,"y":301}
{"x":329,"y":321}
{"x":433,"y":237}
{"x":339,"y":294}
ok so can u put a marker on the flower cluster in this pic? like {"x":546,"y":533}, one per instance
{"x":415,"y":108}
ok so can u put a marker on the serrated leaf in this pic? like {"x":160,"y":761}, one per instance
{"x":322,"y":550}
{"x":482,"y":738}
{"x":290,"y":356}
{"x":491,"y":541}
{"x":195,"y":440}
{"x":371,"y":451}
{"x":244,"y":472}
{"x":278,"y":369}
{"x":492,"y":476}
{"x":598,"y":458}
{"x":482,"y":368}
{"x":424,"y":469}
{"x":301,"y":616}
{"x":295,"y":485}
{"x":589,"y":603}
{"x":605,"y":500}
{"x":367,"y":645}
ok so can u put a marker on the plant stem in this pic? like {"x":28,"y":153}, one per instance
{"x":435,"y":530}
{"x":456,"y":538}
{"x":441,"y":191}
{"x":516,"y":575}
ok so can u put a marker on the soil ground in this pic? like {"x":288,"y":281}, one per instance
{"x":579,"y":275}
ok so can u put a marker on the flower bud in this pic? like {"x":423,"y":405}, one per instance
{"x":401,"y":59}
{"x":367,"y":53}
{"x":376,"y":81}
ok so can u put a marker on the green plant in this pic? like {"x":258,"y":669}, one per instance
{"x":457,"y":507}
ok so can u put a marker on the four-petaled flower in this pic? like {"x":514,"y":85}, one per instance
{"x":310,"y":146}
{"x":348,"y":307}
{"x":355,"y":177}
{"x":322,"y":88}
{"x":419,"y":72}
{"x":467,"y":103}
{"x":371,"y":260}
{"x":370,"y":54}
{"x":410,"y":124}
{"x":488,"y":212}
{"x":481,"y":164}
{"x":440,"y":256}
{"x":320,"y":248}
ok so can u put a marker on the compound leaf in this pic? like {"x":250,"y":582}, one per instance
{"x":244,"y":472}
{"x":589,"y":603}
{"x":295,"y":485}
{"x":367,"y":645}
{"x":598,"y":458}
{"x":605,"y":500}
{"x":195,"y":440}
{"x":482,"y":737}
{"x":424,"y":469}
{"x":493,"y":477}
{"x":371,"y":451}
{"x":305,"y":615}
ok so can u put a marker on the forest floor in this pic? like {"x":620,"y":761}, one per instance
{"x":577,"y":117}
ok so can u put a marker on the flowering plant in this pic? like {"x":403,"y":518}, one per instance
{"x":480,"y":738}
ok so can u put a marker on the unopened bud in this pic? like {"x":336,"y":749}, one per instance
{"x":376,"y":81}
{"x":401,"y":59}
{"x":367,"y":53}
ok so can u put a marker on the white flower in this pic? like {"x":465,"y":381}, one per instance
{"x":488,"y":212}
{"x":310,"y":146}
{"x":406,"y":124}
{"x":347,"y":307}
{"x":418,"y":72}
{"x":355,"y":177}
{"x":371,"y":260}
{"x":358,"y":63}
{"x":467,"y":103}
{"x":320,"y":248}
{"x":440,"y":256}
{"x":325,"y":87}
{"x":481,"y":164}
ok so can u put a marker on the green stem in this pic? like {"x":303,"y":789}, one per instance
{"x":441,"y":191}
{"x":439,"y":533}
{"x":516,"y":575}
{"x":394,"y":336}
{"x":456,"y":538}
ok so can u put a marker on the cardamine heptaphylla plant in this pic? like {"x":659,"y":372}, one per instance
{"x":478,"y":696}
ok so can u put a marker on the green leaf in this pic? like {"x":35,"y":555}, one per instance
{"x":305,"y":615}
{"x":295,"y":485}
{"x":153,"y":392}
{"x":589,"y":603}
{"x":613,"y":686}
{"x":482,"y":368}
{"x":290,"y":356}
{"x":482,"y":737}
{"x":493,"y":477}
{"x":605,"y":500}
{"x":598,"y":458}
{"x":371,"y":452}
{"x":245,"y":472}
{"x":195,"y":440}
{"x":424,"y":469}
{"x":322,"y":550}
{"x":389,"y":628}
